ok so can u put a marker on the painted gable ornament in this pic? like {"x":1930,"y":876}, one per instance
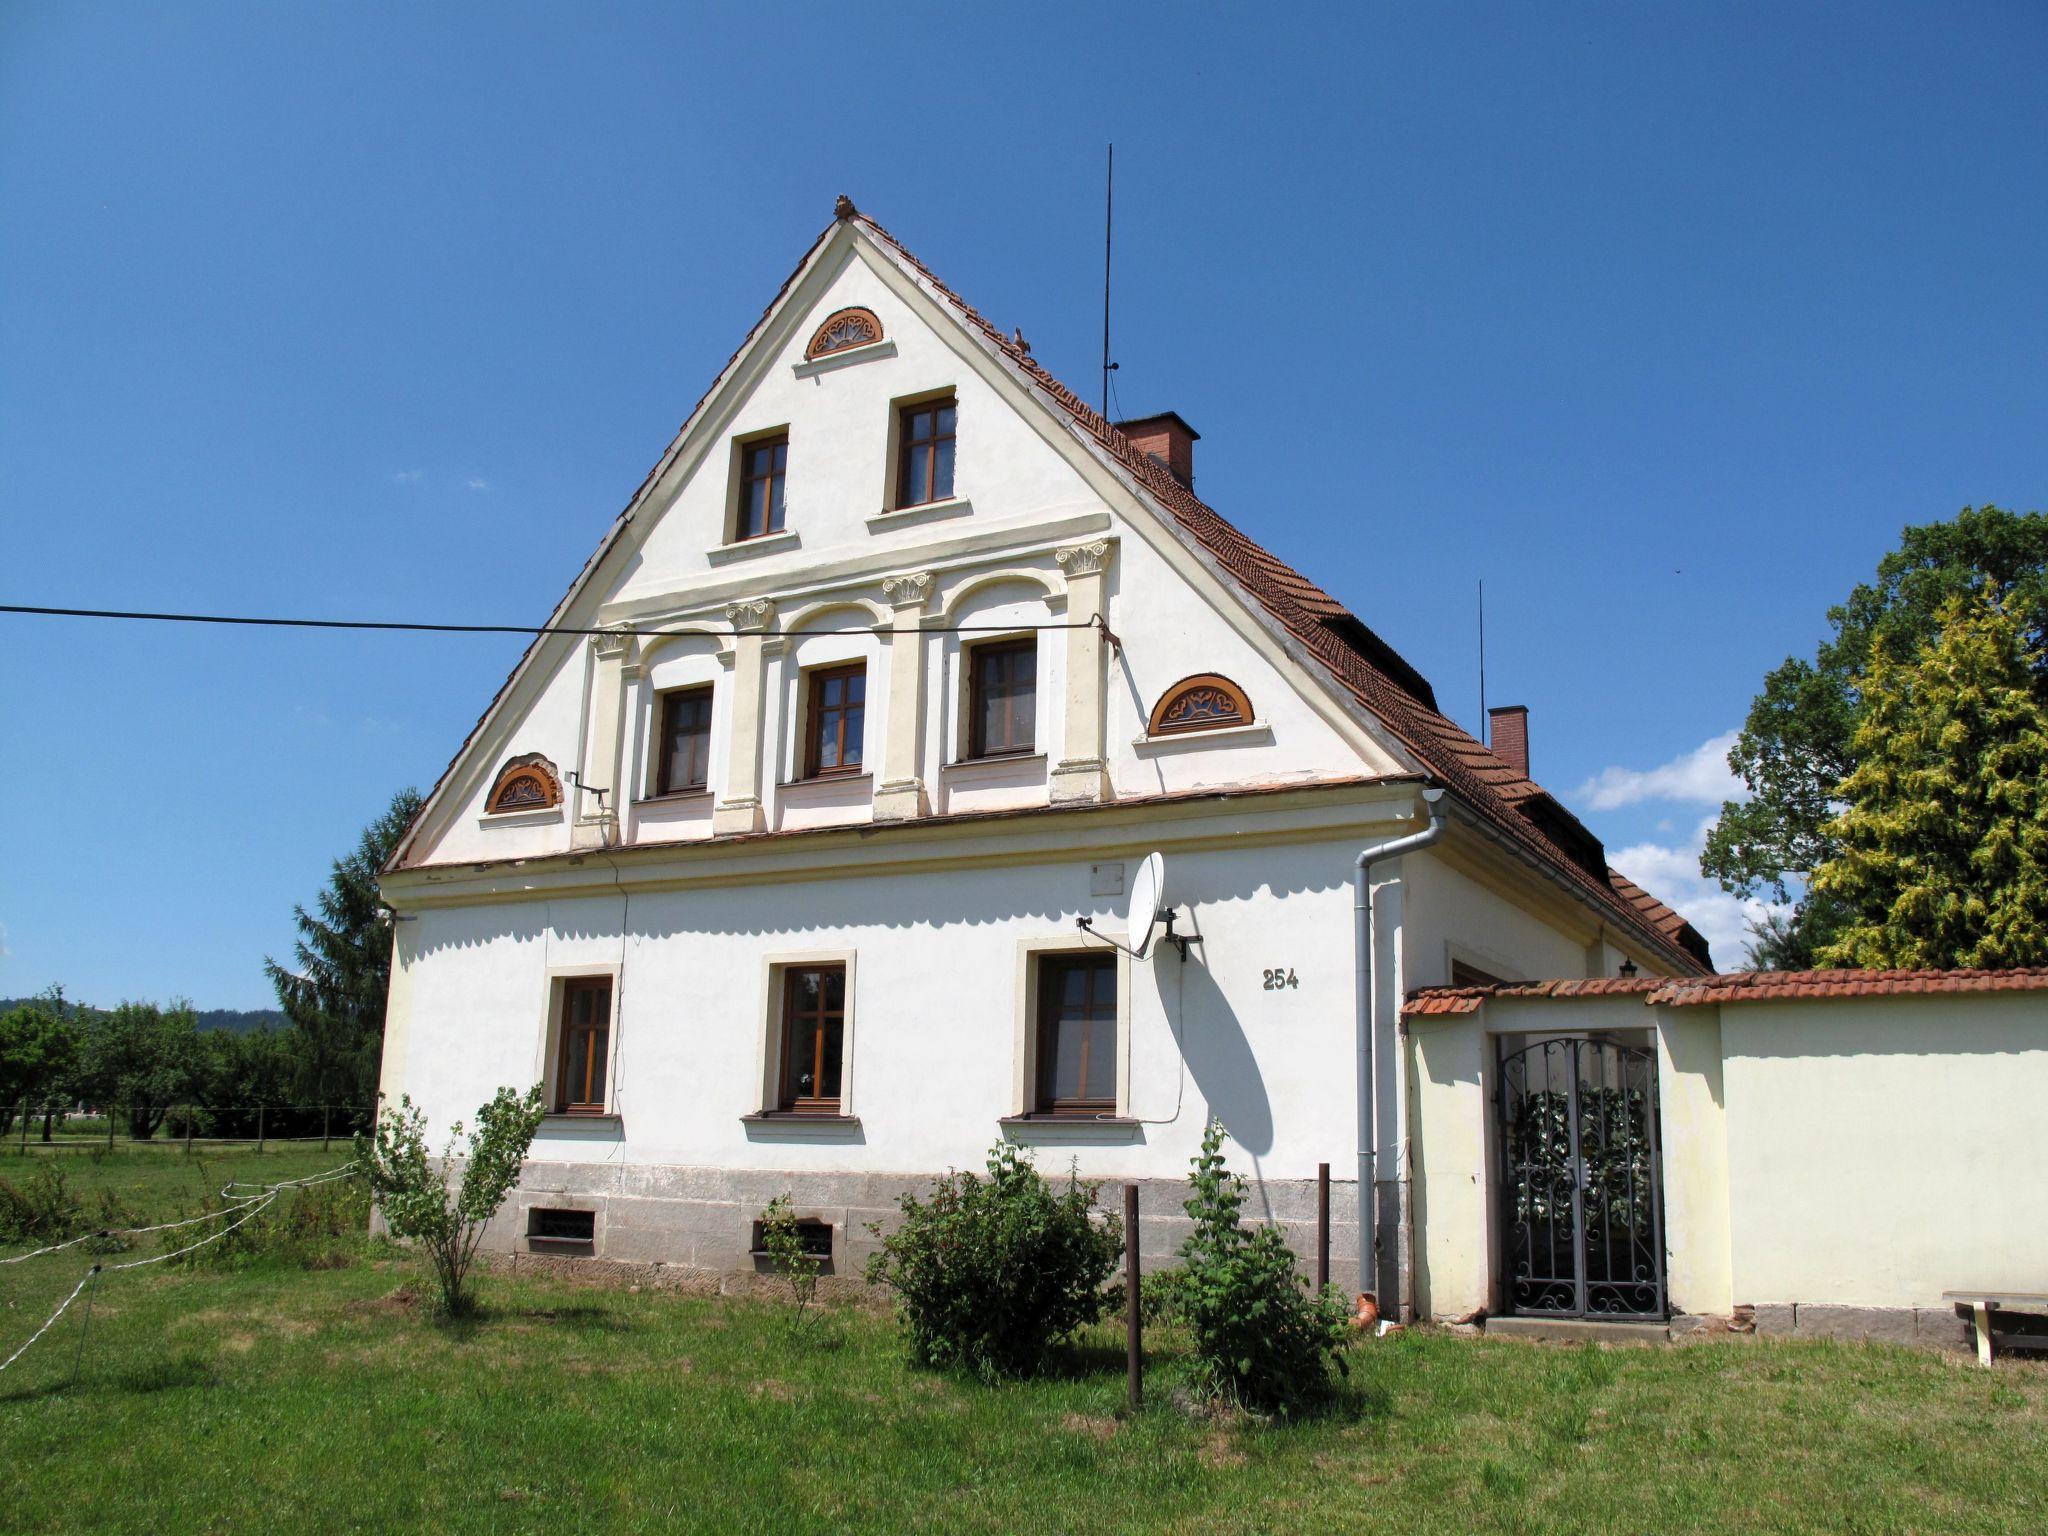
{"x":842,"y":329}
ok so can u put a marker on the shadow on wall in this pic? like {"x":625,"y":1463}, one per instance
{"x":1212,"y":1041}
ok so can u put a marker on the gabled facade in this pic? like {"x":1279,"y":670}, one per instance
{"x":771,"y":858}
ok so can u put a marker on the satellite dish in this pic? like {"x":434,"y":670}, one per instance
{"x":1148,"y":899}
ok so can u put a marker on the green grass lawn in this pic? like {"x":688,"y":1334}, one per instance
{"x":271,"y":1399}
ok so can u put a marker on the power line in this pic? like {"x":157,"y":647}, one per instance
{"x":410,"y":627}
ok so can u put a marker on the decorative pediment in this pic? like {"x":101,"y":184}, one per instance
{"x":842,"y":329}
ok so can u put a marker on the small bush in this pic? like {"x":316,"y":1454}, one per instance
{"x":39,"y":1208}
{"x":1260,"y":1339}
{"x":992,"y":1274}
{"x":783,"y":1238}
{"x":322,"y":1226}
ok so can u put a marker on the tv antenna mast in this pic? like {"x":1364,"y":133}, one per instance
{"x":1108,"y":231}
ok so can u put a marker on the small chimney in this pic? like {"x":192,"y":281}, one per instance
{"x":1168,"y":439}
{"x":1509,"y":728}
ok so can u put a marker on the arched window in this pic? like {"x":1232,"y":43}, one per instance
{"x":842,"y":329}
{"x":525,"y":784}
{"x":1199,"y":703}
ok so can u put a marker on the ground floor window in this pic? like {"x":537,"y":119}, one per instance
{"x":585,"y":1045}
{"x":1077,"y":1044}
{"x":813,"y":1038}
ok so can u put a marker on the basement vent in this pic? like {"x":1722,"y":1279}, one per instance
{"x":815,"y":1235}
{"x":570,"y":1231}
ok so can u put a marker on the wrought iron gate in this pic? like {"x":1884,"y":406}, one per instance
{"x":1583,"y":1197}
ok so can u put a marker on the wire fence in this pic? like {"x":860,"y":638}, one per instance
{"x":27,"y":1128}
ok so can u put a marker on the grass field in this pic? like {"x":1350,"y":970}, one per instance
{"x":276,"y":1399}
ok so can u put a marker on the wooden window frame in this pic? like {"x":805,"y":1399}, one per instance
{"x":928,"y":494}
{"x":530,"y":771}
{"x":665,"y":742}
{"x":817,"y":1104}
{"x":863,"y":329}
{"x":746,"y":480}
{"x":814,"y":680}
{"x":566,"y":1042}
{"x":1090,"y":1106}
{"x":1159,"y":725}
{"x":978,"y":748}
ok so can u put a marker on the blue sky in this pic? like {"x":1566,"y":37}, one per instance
{"x":1663,"y":320}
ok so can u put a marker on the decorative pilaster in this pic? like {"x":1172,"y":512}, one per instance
{"x":739,"y":808}
{"x":899,"y":791}
{"x":597,"y":816}
{"x":1082,"y":773}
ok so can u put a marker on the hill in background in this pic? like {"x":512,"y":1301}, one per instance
{"x":239,"y":1020}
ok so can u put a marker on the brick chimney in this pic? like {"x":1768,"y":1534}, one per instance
{"x":1509,"y":728}
{"x":1168,"y":439}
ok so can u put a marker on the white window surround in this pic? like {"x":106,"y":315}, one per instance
{"x":544,"y":816}
{"x":1260,"y":731}
{"x":551,"y":1033}
{"x":768,"y":1099}
{"x":968,"y":769}
{"x":845,"y":357}
{"x":779,"y":542}
{"x":1024,"y":1063}
{"x":890,"y":518}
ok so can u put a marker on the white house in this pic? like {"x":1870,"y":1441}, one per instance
{"x":795,"y":855}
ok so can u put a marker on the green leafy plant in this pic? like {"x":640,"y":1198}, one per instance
{"x":41,"y":1208}
{"x":317,"y":1227}
{"x":783,"y":1238}
{"x":1259,"y":1337}
{"x":411,"y":1189}
{"x":992,"y":1274}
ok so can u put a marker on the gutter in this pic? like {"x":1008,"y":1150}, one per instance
{"x":1366,"y":1010}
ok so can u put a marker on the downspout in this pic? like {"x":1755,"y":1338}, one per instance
{"x":1367,"y":1011}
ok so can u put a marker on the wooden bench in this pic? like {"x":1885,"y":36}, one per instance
{"x":1983,"y":1304}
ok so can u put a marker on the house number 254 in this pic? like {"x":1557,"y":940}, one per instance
{"x":1281,"y":979}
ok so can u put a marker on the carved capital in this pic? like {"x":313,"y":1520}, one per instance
{"x":911,"y":590}
{"x":750,"y":612}
{"x":1085,"y":559}
{"x":613,"y":643}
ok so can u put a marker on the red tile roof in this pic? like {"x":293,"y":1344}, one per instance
{"x":1731,"y":987}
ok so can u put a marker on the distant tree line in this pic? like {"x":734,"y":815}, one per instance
{"x":156,"y":1065}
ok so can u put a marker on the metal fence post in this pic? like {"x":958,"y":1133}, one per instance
{"x":113,"y":1111}
{"x":1134,"y":1336}
{"x":1322,"y":1225}
{"x":326,"y":1127}
{"x":259,"y":1129}
{"x":191,"y":1119}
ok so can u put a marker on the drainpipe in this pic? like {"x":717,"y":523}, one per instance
{"x":1368,"y":1024}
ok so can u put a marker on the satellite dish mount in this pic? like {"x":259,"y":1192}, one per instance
{"x":1148,"y":913}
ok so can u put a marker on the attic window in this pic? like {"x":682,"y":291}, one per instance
{"x":844,"y":329}
{"x":1204,"y":702}
{"x":524,"y":784}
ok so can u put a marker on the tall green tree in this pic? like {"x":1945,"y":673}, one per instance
{"x":139,"y":1060}
{"x":38,"y":1054}
{"x":1941,"y":854}
{"x":334,"y":993}
{"x":1797,"y":744}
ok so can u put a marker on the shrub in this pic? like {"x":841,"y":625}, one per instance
{"x":321,"y":1226}
{"x":39,"y":1208}
{"x":783,"y":1238}
{"x":412,"y":1190}
{"x":1260,"y":1339}
{"x":992,"y":1274}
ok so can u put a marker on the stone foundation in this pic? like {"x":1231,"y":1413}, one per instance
{"x":693,"y":1228}
{"x":1928,"y":1327}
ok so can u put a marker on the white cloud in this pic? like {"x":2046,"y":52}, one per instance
{"x":1698,"y":777}
{"x":477,"y":483}
{"x":1671,"y":873}
{"x":409,"y":476}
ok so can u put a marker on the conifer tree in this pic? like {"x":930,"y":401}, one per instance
{"x":1941,"y":855}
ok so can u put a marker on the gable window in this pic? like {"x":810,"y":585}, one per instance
{"x":585,"y":1045}
{"x":1077,"y":1044}
{"x":813,"y":1038}
{"x":763,"y":466}
{"x":1002,"y":698}
{"x":925,"y":467}
{"x":1200,"y":703}
{"x":685,"y":763}
{"x":524,"y":784}
{"x":856,"y":327}
{"x":838,"y":719}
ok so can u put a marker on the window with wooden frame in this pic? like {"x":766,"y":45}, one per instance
{"x":584,"y":1050}
{"x":1203,"y":702}
{"x":764,"y":464}
{"x":924,"y":454}
{"x":813,"y":1039}
{"x":836,"y":720}
{"x":1077,"y":1034}
{"x":524,"y":784}
{"x":1002,"y":698}
{"x":683,"y":764}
